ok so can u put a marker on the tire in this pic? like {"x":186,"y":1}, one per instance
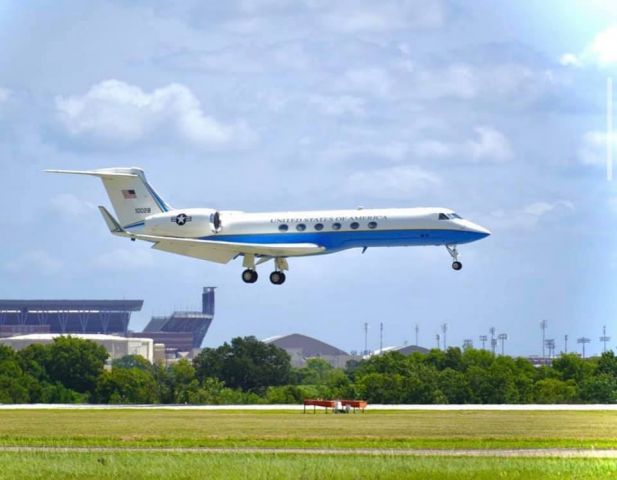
{"x":249,"y":276}
{"x":277,"y":278}
{"x":457,"y":265}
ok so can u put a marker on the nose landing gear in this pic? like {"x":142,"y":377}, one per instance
{"x":456,"y":265}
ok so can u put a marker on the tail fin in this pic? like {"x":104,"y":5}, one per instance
{"x":132,"y":197}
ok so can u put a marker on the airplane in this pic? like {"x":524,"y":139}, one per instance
{"x":221,"y":236}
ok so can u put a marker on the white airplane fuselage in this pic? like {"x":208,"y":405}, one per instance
{"x":221,"y":236}
{"x":335,"y":230}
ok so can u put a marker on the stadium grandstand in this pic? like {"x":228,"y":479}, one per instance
{"x":183,"y":331}
{"x":66,"y":316}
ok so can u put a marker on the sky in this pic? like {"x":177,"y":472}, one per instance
{"x":276,"y":105}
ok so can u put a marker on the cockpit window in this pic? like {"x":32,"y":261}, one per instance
{"x":449,"y":216}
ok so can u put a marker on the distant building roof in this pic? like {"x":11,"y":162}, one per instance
{"x":84,"y":336}
{"x":405,"y":350}
{"x":90,"y":305}
{"x":311,"y":347}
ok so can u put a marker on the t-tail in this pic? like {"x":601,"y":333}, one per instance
{"x":130,"y":193}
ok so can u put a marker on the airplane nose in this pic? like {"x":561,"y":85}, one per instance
{"x":481,"y":230}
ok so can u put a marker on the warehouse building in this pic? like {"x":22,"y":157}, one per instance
{"x":301,"y":347}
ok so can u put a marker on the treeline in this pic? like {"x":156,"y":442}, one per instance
{"x":72,"y":370}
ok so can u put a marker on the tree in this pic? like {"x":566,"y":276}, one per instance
{"x":132,"y":361}
{"x":601,"y":388}
{"x":126,"y":385}
{"x":570,"y":366}
{"x":247,"y":364}
{"x":75,"y":363}
{"x":553,"y":390}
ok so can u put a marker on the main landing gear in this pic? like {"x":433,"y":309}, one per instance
{"x":456,"y":265}
{"x":277,"y":277}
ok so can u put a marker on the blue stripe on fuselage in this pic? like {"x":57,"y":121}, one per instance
{"x":363,"y":238}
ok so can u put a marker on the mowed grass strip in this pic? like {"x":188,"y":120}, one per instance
{"x":279,"y":466}
{"x":467,"y":429}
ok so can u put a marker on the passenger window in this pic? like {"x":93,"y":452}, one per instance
{"x":319,"y":226}
{"x":336,"y":226}
{"x":354,"y":225}
{"x":301,"y":227}
{"x":372,"y":225}
{"x":283,"y":228}
{"x":443,"y":216}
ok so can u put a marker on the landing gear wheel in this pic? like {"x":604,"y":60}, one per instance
{"x":277,"y":278}
{"x":457,"y":265}
{"x":249,"y":276}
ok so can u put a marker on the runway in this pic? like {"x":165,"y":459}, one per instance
{"x":490,"y":453}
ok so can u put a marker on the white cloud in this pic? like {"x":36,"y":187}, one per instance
{"x":123,"y":259}
{"x":602,"y":50}
{"x":4,"y":94}
{"x":592,"y":150}
{"x":355,"y":17}
{"x":373,"y":81}
{"x":490,"y":144}
{"x":338,"y":105}
{"x":395,"y":182}
{"x":34,"y":262}
{"x":69,"y":204}
{"x":393,"y":151}
{"x":116,"y":111}
{"x":529,"y":216}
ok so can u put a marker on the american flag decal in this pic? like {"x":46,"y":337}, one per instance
{"x":129,"y":194}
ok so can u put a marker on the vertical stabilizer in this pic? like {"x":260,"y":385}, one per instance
{"x":130,"y":193}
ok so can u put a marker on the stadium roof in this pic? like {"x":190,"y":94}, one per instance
{"x":84,"y":336}
{"x":405,"y":350}
{"x":311,"y":347}
{"x":53,"y":305}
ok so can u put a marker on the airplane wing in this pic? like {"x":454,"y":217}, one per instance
{"x":223,"y":252}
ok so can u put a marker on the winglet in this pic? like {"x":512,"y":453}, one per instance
{"x":112,"y":223}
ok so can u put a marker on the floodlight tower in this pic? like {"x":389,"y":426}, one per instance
{"x":467,"y":343}
{"x":502,"y":337}
{"x":438,"y":344}
{"x":417,"y":331}
{"x":483,"y":339}
{"x":365,"y":338}
{"x":565,"y":341}
{"x":583,"y":341}
{"x":604,"y":338}
{"x":444,"y":329}
{"x":493,"y":339}
{"x":543,"y":324}
{"x":550,"y":344}
{"x":380,"y":338}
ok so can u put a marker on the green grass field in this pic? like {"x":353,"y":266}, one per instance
{"x":279,"y":466}
{"x":384,"y":430}
{"x":464,"y":429}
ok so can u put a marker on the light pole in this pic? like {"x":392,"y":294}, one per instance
{"x":604,"y":338}
{"x":444,"y":329}
{"x":502,"y":337}
{"x":483,"y":339}
{"x":565,"y":340}
{"x":543,"y":324}
{"x":438,"y":344}
{"x":493,"y":340}
{"x":583,"y":341}
{"x":417,"y":331}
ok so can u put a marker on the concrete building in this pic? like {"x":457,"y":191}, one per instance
{"x":301,"y":347}
{"x":116,"y":346}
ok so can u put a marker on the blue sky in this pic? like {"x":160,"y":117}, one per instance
{"x":289,"y":105}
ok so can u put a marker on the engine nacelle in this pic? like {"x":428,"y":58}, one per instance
{"x":190,"y":222}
